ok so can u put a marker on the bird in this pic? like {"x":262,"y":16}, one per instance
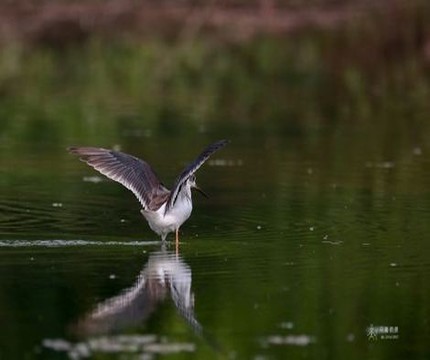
{"x":165,"y":210}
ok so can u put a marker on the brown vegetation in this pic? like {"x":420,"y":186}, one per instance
{"x":57,"y":23}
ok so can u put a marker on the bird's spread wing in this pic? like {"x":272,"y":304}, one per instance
{"x":135,"y":174}
{"x":192,"y":168}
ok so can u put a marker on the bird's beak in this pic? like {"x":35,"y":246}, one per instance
{"x":201,"y":191}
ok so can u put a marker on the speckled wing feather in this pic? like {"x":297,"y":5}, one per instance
{"x":191,"y":169}
{"x":135,"y":174}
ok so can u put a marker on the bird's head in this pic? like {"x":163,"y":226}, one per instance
{"x":193,"y":185}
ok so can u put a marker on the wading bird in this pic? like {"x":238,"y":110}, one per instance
{"x":165,"y":210}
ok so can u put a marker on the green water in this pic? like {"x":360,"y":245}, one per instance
{"x":315,"y":233}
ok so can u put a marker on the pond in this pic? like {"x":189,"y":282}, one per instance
{"x":313,"y":241}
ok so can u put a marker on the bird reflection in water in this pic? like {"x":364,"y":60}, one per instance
{"x":165,"y":274}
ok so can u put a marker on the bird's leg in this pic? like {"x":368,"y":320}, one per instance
{"x":163,"y":242}
{"x":177,"y":240}
{"x":163,"y":246}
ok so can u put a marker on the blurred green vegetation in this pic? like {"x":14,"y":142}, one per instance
{"x":275,"y":84}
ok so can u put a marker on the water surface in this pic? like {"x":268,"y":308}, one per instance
{"x":299,"y":262}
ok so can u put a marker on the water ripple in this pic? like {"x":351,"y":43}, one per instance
{"x":69,"y":243}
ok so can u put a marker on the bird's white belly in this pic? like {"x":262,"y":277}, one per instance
{"x":162,"y":223}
